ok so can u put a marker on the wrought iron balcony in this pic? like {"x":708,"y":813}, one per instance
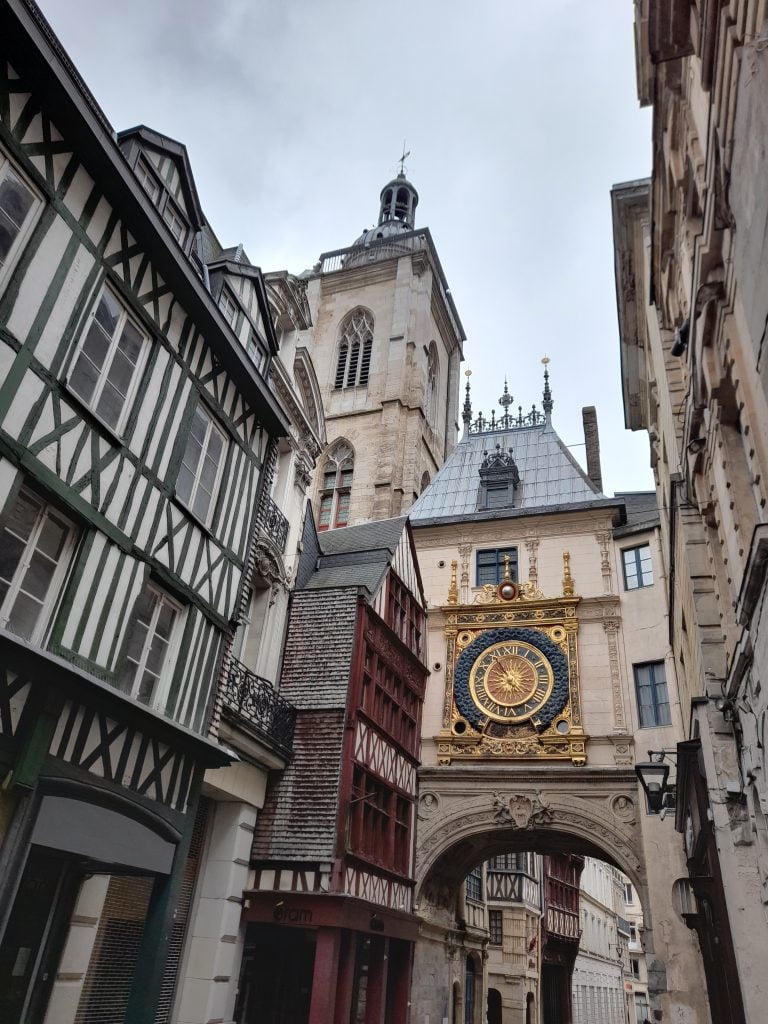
{"x":256,"y":701}
{"x":273,"y":523}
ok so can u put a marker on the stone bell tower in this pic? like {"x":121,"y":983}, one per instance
{"x":386,"y":343}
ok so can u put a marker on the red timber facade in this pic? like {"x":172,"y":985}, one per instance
{"x":560,"y":933}
{"x":331,"y":924}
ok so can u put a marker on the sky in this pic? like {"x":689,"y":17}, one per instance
{"x":519,"y":118}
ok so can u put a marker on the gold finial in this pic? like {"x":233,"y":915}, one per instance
{"x":507,"y":575}
{"x":467,"y":373}
{"x":453,"y":590}
{"x":567,"y":578}
{"x":545,"y":360}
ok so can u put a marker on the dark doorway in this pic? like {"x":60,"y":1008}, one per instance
{"x":494,"y":1006}
{"x":554,"y":994}
{"x":30,"y":949}
{"x":276,"y":976}
{"x":470,"y":982}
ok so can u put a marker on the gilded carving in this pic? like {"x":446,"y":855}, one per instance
{"x":482,"y":723}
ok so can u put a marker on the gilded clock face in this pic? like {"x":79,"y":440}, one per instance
{"x":510,"y":681}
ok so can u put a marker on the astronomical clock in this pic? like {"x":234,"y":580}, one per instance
{"x":512,"y":677}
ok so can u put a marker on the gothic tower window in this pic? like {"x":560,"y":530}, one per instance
{"x":354,"y":360}
{"x":433,"y":375}
{"x":336,"y":491}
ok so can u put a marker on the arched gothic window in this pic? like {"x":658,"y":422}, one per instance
{"x":433,"y":377}
{"x":354,"y":361}
{"x":336,"y":492}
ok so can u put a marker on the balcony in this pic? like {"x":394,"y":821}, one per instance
{"x":273,"y":523}
{"x":255,"y":702}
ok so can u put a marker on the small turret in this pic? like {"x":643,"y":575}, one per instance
{"x":399,"y":200}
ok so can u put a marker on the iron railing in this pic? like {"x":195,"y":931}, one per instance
{"x":257,"y":702}
{"x":508,"y":421}
{"x":273,"y":523}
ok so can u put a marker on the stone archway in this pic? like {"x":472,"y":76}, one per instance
{"x":468,"y":813}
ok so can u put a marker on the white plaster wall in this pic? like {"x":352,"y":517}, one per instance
{"x":209,"y":977}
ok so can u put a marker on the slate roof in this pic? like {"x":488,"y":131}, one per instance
{"x":550,"y":478}
{"x":357,"y":556}
{"x":298,"y":820}
{"x":318,"y":648}
{"x":641,"y":509}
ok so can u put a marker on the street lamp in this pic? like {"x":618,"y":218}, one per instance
{"x":653,"y":775}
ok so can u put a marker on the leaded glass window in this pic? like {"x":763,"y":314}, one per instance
{"x":336,"y":492}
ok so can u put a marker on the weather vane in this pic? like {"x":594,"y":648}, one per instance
{"x":403,"y":158}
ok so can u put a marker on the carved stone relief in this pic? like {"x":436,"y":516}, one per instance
{"x":604,"y":540}
{"x":532,"y":547}
{"x":611,"y":628}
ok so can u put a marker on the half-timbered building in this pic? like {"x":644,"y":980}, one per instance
{"x":137,"y":431}
{"x":331,"y":917}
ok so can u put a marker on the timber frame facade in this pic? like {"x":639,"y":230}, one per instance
{"x":136,"y":435}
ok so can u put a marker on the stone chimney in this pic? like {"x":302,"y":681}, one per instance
{"x":592,"y":439}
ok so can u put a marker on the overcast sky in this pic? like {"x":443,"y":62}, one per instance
{"x":519,"y":118}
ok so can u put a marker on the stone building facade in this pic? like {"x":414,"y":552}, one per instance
{"x":386,"y":341}
{"x":690,"y":251}
{"x":508,"y":534}
{"x":598,"y":975}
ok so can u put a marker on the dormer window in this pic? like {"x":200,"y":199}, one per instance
{"x":158,"y":192}
{"x":499,"y":480}
{"x":257,"y":350}
{"x":149,"y":181}
{"x":228,"y":307}
{"x":173,"y":218}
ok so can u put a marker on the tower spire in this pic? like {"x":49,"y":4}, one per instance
{"x":467,"y":411}
{"x":547,"y":397}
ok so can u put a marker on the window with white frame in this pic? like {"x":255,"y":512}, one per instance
{"x":652,"y":695}
{"x":228,"y":307}
{"x":336,"y":491}
{"x":35,"y":545}
{"x":201,"y":464}
{"x":638,"y":569}
{"x":353,"y":363}
{"x":151,"y":648}
{"x":19,"y":204}
{"x":105,"y":372}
